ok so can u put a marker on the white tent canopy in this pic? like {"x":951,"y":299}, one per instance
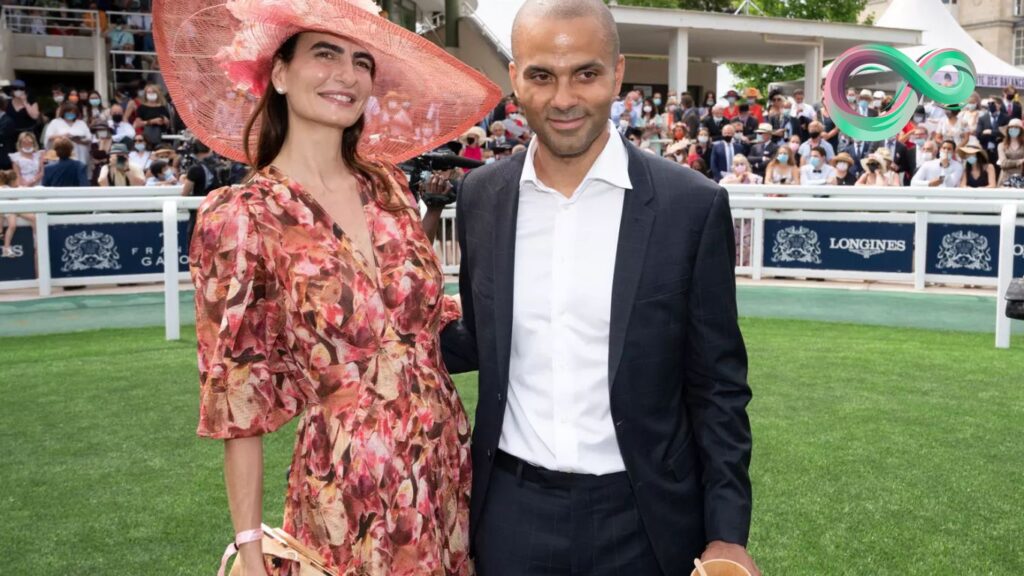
{"x":940,"y":30}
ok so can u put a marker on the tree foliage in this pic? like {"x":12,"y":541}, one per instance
{"x":703,"y":5}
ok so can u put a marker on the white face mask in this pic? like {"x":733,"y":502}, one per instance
{"x":151,"y":97}
{"x":842,"y":166}
{"x":926,"y":156}
{"x":702,"y":139}
{"x":647,"y":109}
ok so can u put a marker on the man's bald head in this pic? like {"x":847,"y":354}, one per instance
{"x":568,"y":10}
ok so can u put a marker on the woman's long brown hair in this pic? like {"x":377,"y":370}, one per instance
{"x":273,"y":110}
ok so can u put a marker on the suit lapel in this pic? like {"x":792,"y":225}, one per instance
{"x":506,"y":206}
{"x":634,"y":233}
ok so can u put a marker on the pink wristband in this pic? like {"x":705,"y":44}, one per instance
{"x":243,"y":537}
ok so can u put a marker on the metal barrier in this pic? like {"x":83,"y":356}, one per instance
{"x":979,"y":228}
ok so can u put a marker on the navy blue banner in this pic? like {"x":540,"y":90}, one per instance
{"x":855,"y":246}
{"x":80,"y":250}
{"x":970,"y":250}
{"x":20,"y":261}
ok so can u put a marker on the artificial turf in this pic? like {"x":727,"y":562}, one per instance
{"x":877,"y":451}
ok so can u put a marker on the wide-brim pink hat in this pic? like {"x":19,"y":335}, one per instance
{"x":216,"y":60}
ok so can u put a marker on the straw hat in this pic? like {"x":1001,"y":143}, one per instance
{"x":677,"y":147}
{"x":966,"y":151}
{"x":767,"y":129}
{"x":865,"y":93}
{"x":881,"y":156}
{"x":1015,"y":123}
{"x":752,"y":92}
{"x":842,"y":157}
{"x":475,"y":131}
{"x":207,"y":49}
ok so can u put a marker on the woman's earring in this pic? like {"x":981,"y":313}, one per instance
{"x":279,"y":90}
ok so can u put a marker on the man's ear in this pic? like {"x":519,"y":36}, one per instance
{"x":620,"y":73}
{"x":513,"y":76}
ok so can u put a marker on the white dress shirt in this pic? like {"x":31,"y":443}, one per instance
{"x":558,"y":414}
{"x":811,"y":177}
{"x":933,"y":169}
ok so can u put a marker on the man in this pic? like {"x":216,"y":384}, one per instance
{"x":118,"y":172}
{"x":748,"y":123}
{"x":761,"y":153}
{"x":858,"y":150}
{"x":926,"y":152}
{"x":1011,"y":103}
{"x":723,"y":151}
{"x":902,"y":159}
{"x":598,"y":299}
{"x":122,"y":130}
{"x":944,"y":171}
{"x":989,"y":122}
{"x":690,"y":116}
{"x":817,"y":171}
{"x":802,"y":109}
{"x":815,"y":133}
{"x":66,"y":172}
{"x":784,"y":121}
{"x":715,"y":121}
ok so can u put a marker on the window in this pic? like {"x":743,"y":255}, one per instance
{"x":1018,"y":7}
{"x":1018,"y":47}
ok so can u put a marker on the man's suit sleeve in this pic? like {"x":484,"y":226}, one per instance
{"x":716,"y":380}
{"x":458,"y":339}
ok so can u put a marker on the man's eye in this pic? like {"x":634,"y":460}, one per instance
{"x":325,"y":55}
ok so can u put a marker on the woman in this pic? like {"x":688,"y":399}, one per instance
{"x":153,"y":118}
{"x":842,"y":162}
{"x":473,"y":142}
{"x":27,"y":162}
{"x":876,"y":170}
{"x":161,"y":173}
{"x":701,"y":147}
{"x":69,"y":125}
{"x":94,"y":111}
{"x":978,"y":171}
{"x":969,"y":119}
{"x":741,"y":173}
{"x":1011,"y":150}
{"x":318,"y":292}
{"x":709,"y":102}
{"x":951,"y":128}
{"x":140,"y":156}
{"x":650,"y":120}
{"x":782,"y":170}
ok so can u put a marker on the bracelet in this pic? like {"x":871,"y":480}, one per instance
{"x":243,"y":537}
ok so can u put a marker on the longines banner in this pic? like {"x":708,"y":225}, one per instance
{"x":970,"y":250}
{"x":857,"y":246}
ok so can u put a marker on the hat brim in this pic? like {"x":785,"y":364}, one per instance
{"x":445,"y":96}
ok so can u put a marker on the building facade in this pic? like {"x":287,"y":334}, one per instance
{"x":998,"y":25}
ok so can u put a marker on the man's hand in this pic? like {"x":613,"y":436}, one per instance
{"x":935,"y":182}
{"x":719,"y":550}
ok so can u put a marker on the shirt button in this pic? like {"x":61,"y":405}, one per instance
{"x":499,"y":397}
{"x":490,"y":454}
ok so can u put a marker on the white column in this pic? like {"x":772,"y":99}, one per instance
{"x":172,"y":319}
{"x":1007,"y":231}
{"x":100,"y":55}
{"x":678,"y":60}
{"x":812,"y":73}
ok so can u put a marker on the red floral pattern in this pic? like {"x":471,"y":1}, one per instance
{"x":290,"y":320}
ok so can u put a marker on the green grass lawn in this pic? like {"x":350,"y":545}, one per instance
{"x":877,"y":451}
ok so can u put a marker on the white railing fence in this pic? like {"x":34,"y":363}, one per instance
{"x":755,"y":215}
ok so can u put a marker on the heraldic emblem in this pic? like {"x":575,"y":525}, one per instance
{"x":797,"y":244}
{"x":90,"y":250}
{"x":965,"y":250}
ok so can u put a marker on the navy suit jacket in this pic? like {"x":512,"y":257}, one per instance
{"x":719,"y":161}
{"x":677,"y":364}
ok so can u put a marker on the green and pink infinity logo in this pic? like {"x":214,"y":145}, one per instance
{"x":917,"y":81}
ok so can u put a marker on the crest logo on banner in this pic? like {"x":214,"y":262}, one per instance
{"x":90,"y":250}
{"x":797,"y":244}
{"x":965,"y":250}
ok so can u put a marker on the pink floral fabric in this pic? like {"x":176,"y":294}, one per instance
{"x":291,"y":320}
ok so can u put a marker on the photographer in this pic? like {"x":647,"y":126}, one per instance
{"x":437,"y":192}
{"x":202,"y":174}
{"x":118,"y":171}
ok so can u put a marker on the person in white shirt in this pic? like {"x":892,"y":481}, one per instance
{"x":140,"y":155}
{"x":814,"y":131}
{"x":800,"y":108}
{"x":119,"y":126}
{"x":817,"y":171}
{"x":70,"y":125}
{"x":944,"y":171}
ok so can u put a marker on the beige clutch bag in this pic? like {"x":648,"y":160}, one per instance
{"x":279,"y":549}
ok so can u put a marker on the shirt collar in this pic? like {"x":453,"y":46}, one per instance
{"x":611,"y":166}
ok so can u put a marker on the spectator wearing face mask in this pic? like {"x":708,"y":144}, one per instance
{"x":978,"y":172}
{"x":969,"y":118}
{"x":70,"y":125}
{"x":815,"y":133}
{"x":859,"y":150}
{"x":877,"y":170}
{"x":94,"y":110}
{"x":58,"y":96}
{"x":700,"y":147}
{"x":66,"y":172}
{"x":864,"y":104}
{"x":747,"y":122}
{"x":140,"y":154}
{"x":724,"y":152}
{"x":120,"y":128}
{"x":709,"y":102}
{"x":925,"y":152}
{"x":1011,"y":150}
{"x":1011,"y":102}
{"x":902,"y":161}
{"x":951,"y":128}
{"x":715,"y":121}
{"x":23,"y":110}
{"x":733,"y":109}
{"x":782,"y":170}
{"x":766,"y":142}
{"x":161,"y":173}
{"x":27,"y":161}
{"x":916,"y":144}
{"x":802,"y":109}
{"x":753,"y":97}
{"x":741,"y":172}
{"x":816,"y":171}
{"x":843,"y":176}
{"x":117,"y":171}
{"x":782,"y":119}
{"x":649,"y":117}
{"x":472,"y":143}
{"x":945,"y":171}
{"x":121,"y":40}
{"x":689,"y":114}
{"x":988,"y":127}
{"x":153,"y":117}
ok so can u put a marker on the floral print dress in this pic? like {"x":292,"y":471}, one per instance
{"x":292,"y":320}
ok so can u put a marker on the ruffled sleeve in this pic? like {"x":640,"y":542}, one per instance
{"x":245,"y":386}
{"x":451,"y":310}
